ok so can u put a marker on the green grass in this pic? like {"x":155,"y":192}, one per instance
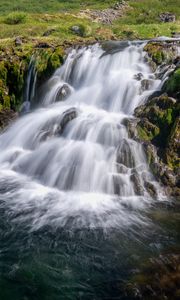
{"x":51,"y":6}
{"x":141,"y":19}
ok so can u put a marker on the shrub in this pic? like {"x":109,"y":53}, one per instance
{"x":15,"y":18}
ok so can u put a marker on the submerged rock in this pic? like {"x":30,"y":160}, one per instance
{"x":63,"y":92}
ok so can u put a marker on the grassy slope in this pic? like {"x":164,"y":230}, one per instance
{"x":140,"y":21}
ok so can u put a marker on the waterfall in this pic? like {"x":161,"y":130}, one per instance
{"x":30,"y":86}
{"x":71,"y":163}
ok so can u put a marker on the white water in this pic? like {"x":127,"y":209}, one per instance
{"x":83,"y":176}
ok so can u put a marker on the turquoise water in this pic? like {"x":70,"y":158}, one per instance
{"x":82,"y":264}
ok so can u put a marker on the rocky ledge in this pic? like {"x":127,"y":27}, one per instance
{"x":157,"y":123}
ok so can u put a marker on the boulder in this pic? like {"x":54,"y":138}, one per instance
{"x":167,"y":17}
{"x":63,"y":92}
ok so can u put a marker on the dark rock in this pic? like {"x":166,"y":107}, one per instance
{"x":68,"y":116}
{"x":6,"y":117}
{"x":138,"y":76}
{"x":167,"y":17}
{"x":138,"y":188}
{"x":150,"y":189}
{"x":57,"y":127}
{"x":63,"y":93}
{"x":124,"y":155}
{"x":176,"y":35}
{"x":146,"y":84}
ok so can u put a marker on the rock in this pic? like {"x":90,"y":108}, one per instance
{"x":138,"y":76}
{"x":159,"y":53}
{"x":48,"y":32}
{"x":6,"y":117}
{"x":138,"y":188}
{"x":68,"y":116}
{"x":146,"y":84}
{"x":57,"y":127}
{"x":146,"y":130}
{"x":25,"y":108}
{"x":18,"y":41}
{"x":172,"y":85}
{"x":150,"y":189}
{"x":124,"y":155}
{"x":173,"y":146}
{"x":176,"y":35}
{"x":63,"y":92}
{"x":167,"y":17}
{"x":78,"y":30}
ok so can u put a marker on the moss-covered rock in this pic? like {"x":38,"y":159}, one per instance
{"x":146,"y":130}
{"x":160,"y":52}
{"x":14,"y":62}
{"x":157,"y":117}
{"x":172,"y":85}
{"x":173,"y":146}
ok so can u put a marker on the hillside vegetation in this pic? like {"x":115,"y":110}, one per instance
{"x":140,"y":19}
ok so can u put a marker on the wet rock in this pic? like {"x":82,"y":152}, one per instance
{"x":111,"y":47}
{"x":138,"y":76}
{"x":63,"y":93}
{"x":25,"y":108}
{"x":138,"y":188}
{"x":68,"y":116}
{"x":167,"y":17}
{"x":146,"y":84}
{"x":56,"y":127}
{"x":150,"y":189}
{"x":118,"y":184}
{"x":176,"y":35}
{"x":121,"y":169}
{"x":124,"y":155}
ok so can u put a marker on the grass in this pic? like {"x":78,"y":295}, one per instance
{"x":51,"y":6}
{"x":141,"y":19}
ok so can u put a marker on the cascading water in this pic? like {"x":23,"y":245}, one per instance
{"x":76,"y":219}
{"x":71,"y":162}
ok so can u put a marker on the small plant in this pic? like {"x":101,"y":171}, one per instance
{"x":15,"y":18}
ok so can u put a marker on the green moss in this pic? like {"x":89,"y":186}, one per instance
{"x":147,"y":131}
{"x":172,"y":86}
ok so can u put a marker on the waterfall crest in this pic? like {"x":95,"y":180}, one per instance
{"x":71,"y":162}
